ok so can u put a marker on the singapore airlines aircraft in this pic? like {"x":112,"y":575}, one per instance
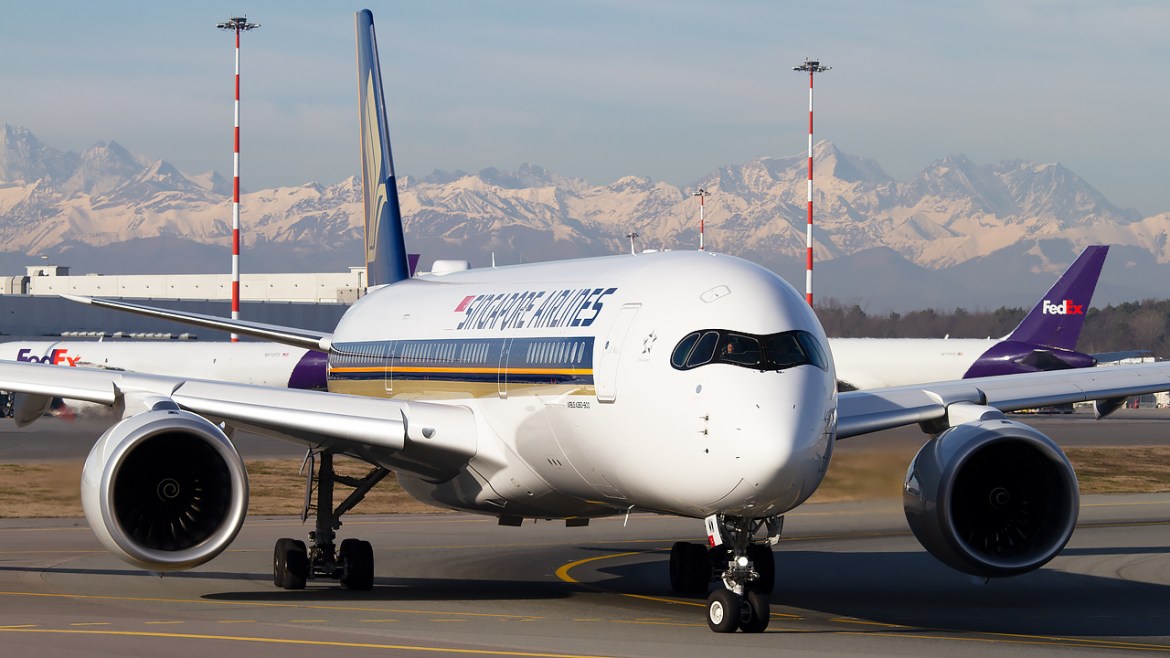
{"x":686,"y":383}
{"x":1046,"y":339}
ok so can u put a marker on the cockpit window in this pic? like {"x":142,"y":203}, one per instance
{"x":695,"y":350}
{"x":771,"y":352}
{"x":740,"y":349}
{"x":678,"y":359}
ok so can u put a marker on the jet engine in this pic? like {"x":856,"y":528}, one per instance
{"x":165,"y":490}
{"x":991,"y":498}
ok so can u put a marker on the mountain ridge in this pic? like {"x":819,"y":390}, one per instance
{"x":946,"y":219}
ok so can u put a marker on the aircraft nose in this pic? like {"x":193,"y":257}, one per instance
{"x":782,"y":443}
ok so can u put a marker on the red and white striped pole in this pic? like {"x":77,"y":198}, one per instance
{"x":702,"y":194}
{"x":812,"y":66}
{"x":237,"y":25}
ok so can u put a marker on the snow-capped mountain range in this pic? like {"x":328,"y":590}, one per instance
{"x":956,"y":234}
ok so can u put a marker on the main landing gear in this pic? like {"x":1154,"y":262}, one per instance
{"x":744,"y":564}
{"x":353,"y":563}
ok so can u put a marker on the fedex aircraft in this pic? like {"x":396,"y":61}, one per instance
{"x":264,"y":364}
{"x":1046,"y":339}
{"x":686,"y":383}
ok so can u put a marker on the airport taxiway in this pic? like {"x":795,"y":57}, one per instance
{"x":851,"y":580}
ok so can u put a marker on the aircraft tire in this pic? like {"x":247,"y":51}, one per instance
{"x":759,"y":613}
{"x":698,"y":566}
{"x":690,"y":568}
{"x":678,"y":571}
{"x":290,"y":564}
{"x":279,"y":561}
{"x":765,"y":565}
{"x":357,"y":560}
{"x":723,"y":610}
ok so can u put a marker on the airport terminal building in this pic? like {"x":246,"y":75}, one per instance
{"x":31,"y":306}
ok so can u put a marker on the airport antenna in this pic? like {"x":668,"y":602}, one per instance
{"x":237,"y":25}
{"x":702,"y":194}
{"x":813,"y":67}
{"x":631,"y":235}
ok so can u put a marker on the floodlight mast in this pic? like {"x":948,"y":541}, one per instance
{"x":812,"y":66}
{"x":702,"y":194}
{"x":237,"y":25}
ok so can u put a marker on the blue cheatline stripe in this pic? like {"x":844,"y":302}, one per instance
{"x":544,"y":360}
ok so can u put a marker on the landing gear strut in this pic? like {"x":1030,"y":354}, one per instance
{"x":738,"y":558}
{"x":353,"y":563}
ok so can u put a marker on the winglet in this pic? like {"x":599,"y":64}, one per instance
{"x":385,"y":244}
{"x":77,"y":298}
{"x":1058,"y":317}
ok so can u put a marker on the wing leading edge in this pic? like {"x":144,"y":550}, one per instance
{"x":862,"y":412}
{"x":421,"y":438}
{"x":313,"y":340}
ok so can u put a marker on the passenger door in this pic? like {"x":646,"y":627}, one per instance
{"x":606,"y":368}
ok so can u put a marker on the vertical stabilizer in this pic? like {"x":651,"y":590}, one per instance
{"x":1047,"y":338}
{"x":385,"y":245}
{"x":1056,"y":321}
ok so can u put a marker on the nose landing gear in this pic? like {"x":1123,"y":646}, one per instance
{"x":741,"y":561}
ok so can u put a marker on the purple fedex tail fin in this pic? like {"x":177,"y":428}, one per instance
{"x":1056,"y":321}
{"x":1047,"y":337}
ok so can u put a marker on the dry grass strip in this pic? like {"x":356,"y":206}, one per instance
{"x":51,"y":489}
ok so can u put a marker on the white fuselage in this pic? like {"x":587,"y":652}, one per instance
{"x":567,"y":367}
{"x":866,"y":363}
{"x":265,"y":364}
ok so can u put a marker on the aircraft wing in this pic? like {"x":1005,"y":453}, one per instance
{"x":313,"y":340}
{"x":862,"y":412}
{"x":1114,"y":357}
{"x":373,"y":429}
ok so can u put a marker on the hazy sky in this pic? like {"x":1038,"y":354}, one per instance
{"x":602,"y":89}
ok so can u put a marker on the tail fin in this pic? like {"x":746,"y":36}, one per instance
{"x":1056,"y":321}
{"x":1047,"y":338}
{"x":385,"y":244}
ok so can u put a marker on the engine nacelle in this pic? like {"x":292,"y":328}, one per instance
{"x":992,"y":498}
{"x":165,"y":490}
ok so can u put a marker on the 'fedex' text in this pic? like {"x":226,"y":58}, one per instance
{"x":1063,"y":308}
{"x":57,"y":357}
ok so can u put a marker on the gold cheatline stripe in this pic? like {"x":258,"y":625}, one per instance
{"x":470,"y":371}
